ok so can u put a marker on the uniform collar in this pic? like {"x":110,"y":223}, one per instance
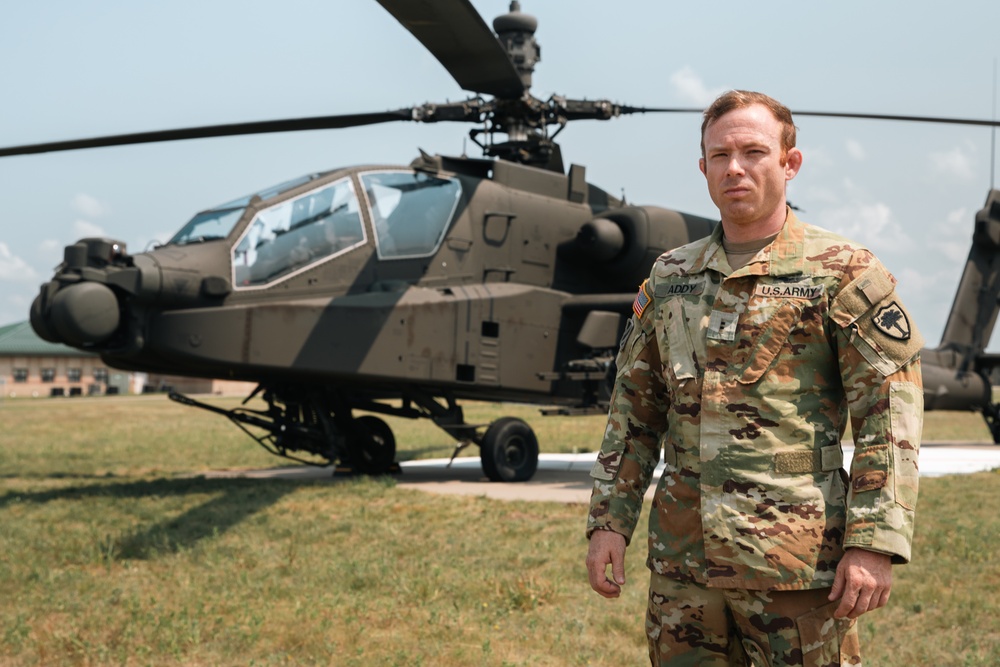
{"x":783,"y":257}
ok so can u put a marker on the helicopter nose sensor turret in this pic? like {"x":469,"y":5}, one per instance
{"x":78,"y":307}
{"x":88,"y":303}
{"x":84,"y":314}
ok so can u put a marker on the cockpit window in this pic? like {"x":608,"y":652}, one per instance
{"x":217,"y":222}
{"x":410,"y":210}
{"x":298,"y":232}
{"x":208,"y":226}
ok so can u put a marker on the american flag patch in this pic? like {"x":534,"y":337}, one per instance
{"x":642,"y":299}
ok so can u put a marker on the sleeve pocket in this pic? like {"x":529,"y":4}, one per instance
{"x":607,"y":465}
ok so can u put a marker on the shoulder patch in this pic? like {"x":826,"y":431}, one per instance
{"x":642,"y":299}
{"x":892,"y":321}
{"x":858,"y":297}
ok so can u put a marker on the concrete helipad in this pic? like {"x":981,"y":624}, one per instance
{"x":565,"y":477}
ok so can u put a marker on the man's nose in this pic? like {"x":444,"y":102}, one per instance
{"x":735,"y":167}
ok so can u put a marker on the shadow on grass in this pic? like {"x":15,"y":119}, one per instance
{"x":233,"y":501}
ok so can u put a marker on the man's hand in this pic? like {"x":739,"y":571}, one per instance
{"x":862,"y":582}
{"x":606,"y":546}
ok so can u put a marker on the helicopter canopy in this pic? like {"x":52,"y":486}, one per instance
{"x":216,"y":222}
{"x":409,"y":213}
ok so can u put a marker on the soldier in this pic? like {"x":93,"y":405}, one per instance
{"x":747,"y":353}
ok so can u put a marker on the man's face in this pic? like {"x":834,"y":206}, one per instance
{"x":743,"y":166}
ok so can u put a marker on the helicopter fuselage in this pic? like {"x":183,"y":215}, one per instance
{"x":380,"y":277}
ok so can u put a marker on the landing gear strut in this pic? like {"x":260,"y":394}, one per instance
{"x":319,"y":422}
{"x":315,"y":423}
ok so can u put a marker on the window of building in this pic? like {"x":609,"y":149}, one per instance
{"x":48,"y":375}
{"x":73,"y":374}
{"x":101,"y":374}
{"x":20,"y":375}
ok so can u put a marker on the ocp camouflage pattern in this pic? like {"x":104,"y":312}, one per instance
{"x":747,"y":381}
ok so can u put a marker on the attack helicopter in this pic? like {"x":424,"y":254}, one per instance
{"x":404,"y":290}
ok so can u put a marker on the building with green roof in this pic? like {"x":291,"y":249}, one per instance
{"x":31,"y":366}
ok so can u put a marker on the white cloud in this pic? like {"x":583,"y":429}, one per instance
{"x":856,"y":150}
{"x":50,"y":251}
{"x":49,"y":246}
{"x":690,"y":87}
{"x":815,"y":157}
{"x":86,"y":229}
{"x":954,"y":249}
{"x":956,"y":163}
{"x":15,"y":306}
{"x":869,"y":223}
{"x":89,"y":206}
{"x":15,"y":269}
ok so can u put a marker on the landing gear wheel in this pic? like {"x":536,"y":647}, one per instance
{"x":374,"y":451}
{"x":509,"y":451}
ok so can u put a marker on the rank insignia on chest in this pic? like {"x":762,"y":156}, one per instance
{"x":642,"y":299}
{"x":722,"y":326}
{"x":892,"y":321}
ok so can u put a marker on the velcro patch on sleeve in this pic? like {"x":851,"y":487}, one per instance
{"x":607,"y":465}
{"x":860,"y":296}
{"x":869,"y":481}
{"x":824,"y":459}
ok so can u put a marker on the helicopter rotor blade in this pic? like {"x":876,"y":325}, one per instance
{"x":915,"y":119}
{"x":623,"y":109}
{"x":208,"y":131}
{"x":455,"y":34}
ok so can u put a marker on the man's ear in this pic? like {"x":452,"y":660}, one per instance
{"x":793,"y":162}
{"x":701,"y":165}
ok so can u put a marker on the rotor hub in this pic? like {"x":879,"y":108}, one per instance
{"x":516,"y":31}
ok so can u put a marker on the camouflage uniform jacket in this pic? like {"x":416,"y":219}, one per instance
{"x":746,"y":379}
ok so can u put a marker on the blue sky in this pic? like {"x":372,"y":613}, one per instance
{"x":70,"y":69}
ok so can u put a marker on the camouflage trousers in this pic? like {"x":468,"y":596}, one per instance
{"x":691,"y":625}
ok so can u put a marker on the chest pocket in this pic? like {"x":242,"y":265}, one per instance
{"x":678,"y":336}
{"x":767,"y":339}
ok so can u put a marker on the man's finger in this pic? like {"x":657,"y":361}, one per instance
{"x":601,"y":584}
{"x":883,"y":599}
{"x":838,"y":586}
{"x":618,"y":567}
{"x":849,"y":598}
{"x":863,"y":602}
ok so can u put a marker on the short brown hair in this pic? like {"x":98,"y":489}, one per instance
{"x":740,"y":99}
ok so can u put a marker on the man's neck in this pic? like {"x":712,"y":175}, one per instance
{"x":740,"y":232}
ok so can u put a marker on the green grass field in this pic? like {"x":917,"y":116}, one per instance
{"x":111,"y":555}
